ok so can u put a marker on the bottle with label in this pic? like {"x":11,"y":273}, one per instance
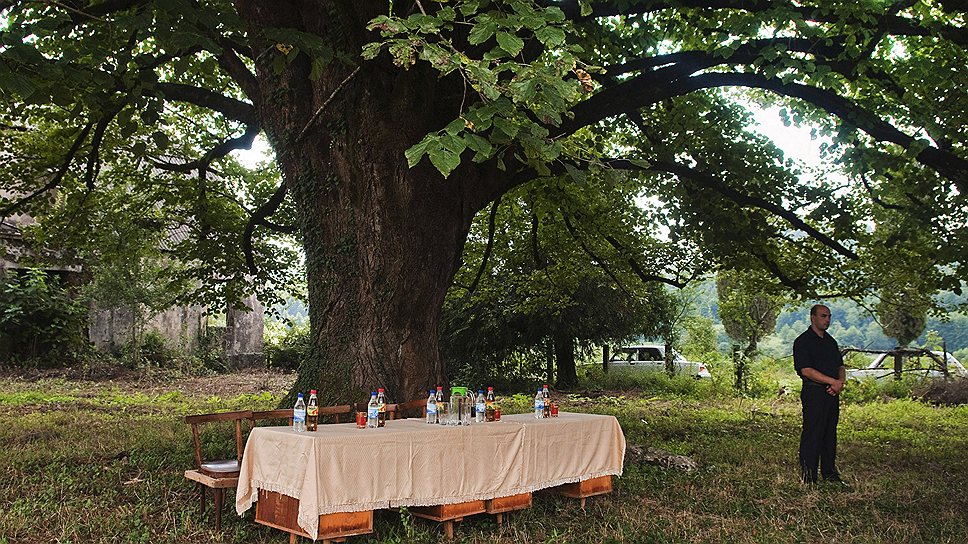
{"x":299,"y":414}
{"x":440,"y":398}
{"x":432,"y":407}
{"x":539,"y":405}
{"x":372,"y":412}
{"x":489,"y":405}
{"x":381,"y":404}
{"x":547,"y":401}
{"x":480,"y":407}
{"x":312,"y":412}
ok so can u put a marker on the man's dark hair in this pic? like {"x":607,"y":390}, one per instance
{"x":815,"y":307}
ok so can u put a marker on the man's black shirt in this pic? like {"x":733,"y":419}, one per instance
{"x":820,"y":354}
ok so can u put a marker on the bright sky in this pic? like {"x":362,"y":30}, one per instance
{"x":794,"y":141}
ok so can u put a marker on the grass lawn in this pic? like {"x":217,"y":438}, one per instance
{"x":102,"y":461}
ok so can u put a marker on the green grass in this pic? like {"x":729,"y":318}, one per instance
{"x":89,"y":462}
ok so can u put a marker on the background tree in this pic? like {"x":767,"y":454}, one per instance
{"x":748,"y":307}
{"x":537,"y":284}
{"x":393,"y":124}
{"x":903,"y":314}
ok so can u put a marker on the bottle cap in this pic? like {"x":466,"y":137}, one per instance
{"x":380,"y":389}
{"x":312,"y":391}
{"x":298,"y":395}
{"x":480,"y":390}
{"x":490,"y":389}
{"x":440,"y":388}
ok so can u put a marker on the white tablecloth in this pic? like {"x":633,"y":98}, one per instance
{"x":340,"y":468}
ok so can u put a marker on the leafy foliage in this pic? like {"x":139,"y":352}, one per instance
{"x":40,"y":319}
{"x":483,"y":98}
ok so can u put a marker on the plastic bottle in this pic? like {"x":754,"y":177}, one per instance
{"x":312,"y":412}
{"x":299,"y":414}
{"x":372,"y":412}
{"x":489,"y":405}
{"x":381,"y":404}
{"x":539,"y":405}
{"x":432,"y":407}
{"x":547,"y":401}
{"x":480,"y":407}
{"x":440,"y":398}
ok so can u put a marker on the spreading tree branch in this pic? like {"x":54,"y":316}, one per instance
{"x":491,"y":224}
{"x":893,"y":24}
{"x":943,"y":162}
{"x":242,"y":142}
{"x":709,"y":181}
{"x":257,"y":218}
{"x":229,"y":107}
{"x":598,"y":260}
{"x":56,"y":179}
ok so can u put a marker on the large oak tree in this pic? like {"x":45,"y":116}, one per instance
{"x":393,"y":123}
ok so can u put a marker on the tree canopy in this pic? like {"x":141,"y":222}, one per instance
{"x":394,"y":123}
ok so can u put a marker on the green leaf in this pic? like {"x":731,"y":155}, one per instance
{"x":479,"y":144}
{"x":481,"y":32}
{"x":417,"y":150}
{"x":551,"y":36}
{"x":506,"y":126}
{"x":445,"y":155}
{"x":371,"y":50}
{"x":510,"y":43}
{"x":161,"y":140}
{"x":17,"y":84}
{"x":454,"y":126}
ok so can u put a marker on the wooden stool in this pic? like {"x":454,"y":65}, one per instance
{"x":448,"y":513}
{"x":500,"y":505}
{"x":281,"y":512}
{"x":586,"y":488}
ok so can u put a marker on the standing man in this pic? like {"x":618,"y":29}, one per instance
{"x":819,"y":363}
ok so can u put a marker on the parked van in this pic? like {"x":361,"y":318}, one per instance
{"x":651,"y":358}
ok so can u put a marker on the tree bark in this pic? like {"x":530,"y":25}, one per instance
{"x":382,"y":241}
{"x":565,"y":358}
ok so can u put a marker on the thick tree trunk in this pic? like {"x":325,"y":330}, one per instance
{"x":565,"y":358}
{"x":382,"y":241}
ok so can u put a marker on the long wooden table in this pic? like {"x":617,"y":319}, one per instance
{"x":342,"y":469}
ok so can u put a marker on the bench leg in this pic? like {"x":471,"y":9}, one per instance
{"x":500,"y":518}
{"x":293,"y":538}
{"x":449,"y":529}
{"x":201,"y":496}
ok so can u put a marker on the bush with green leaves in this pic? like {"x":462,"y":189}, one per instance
{"x":289,"y":347}
{"x":41,"y":321}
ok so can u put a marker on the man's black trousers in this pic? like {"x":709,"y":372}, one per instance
{"x":818,"y":440}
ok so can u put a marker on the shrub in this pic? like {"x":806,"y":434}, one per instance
{"x":952,"y":392}
{"x":40,"y":320}
{"x":288,"y":349}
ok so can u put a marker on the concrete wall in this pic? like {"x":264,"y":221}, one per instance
{"x":242,"y":339}
{"x":180,"y":326}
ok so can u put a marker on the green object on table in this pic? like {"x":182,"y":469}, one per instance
{"x":458,"y":390}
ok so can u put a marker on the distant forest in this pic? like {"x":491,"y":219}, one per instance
{"x":851,"y":325}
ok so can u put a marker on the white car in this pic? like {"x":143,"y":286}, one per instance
{"x":917,"y":365}
{"x":651,"y":357}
